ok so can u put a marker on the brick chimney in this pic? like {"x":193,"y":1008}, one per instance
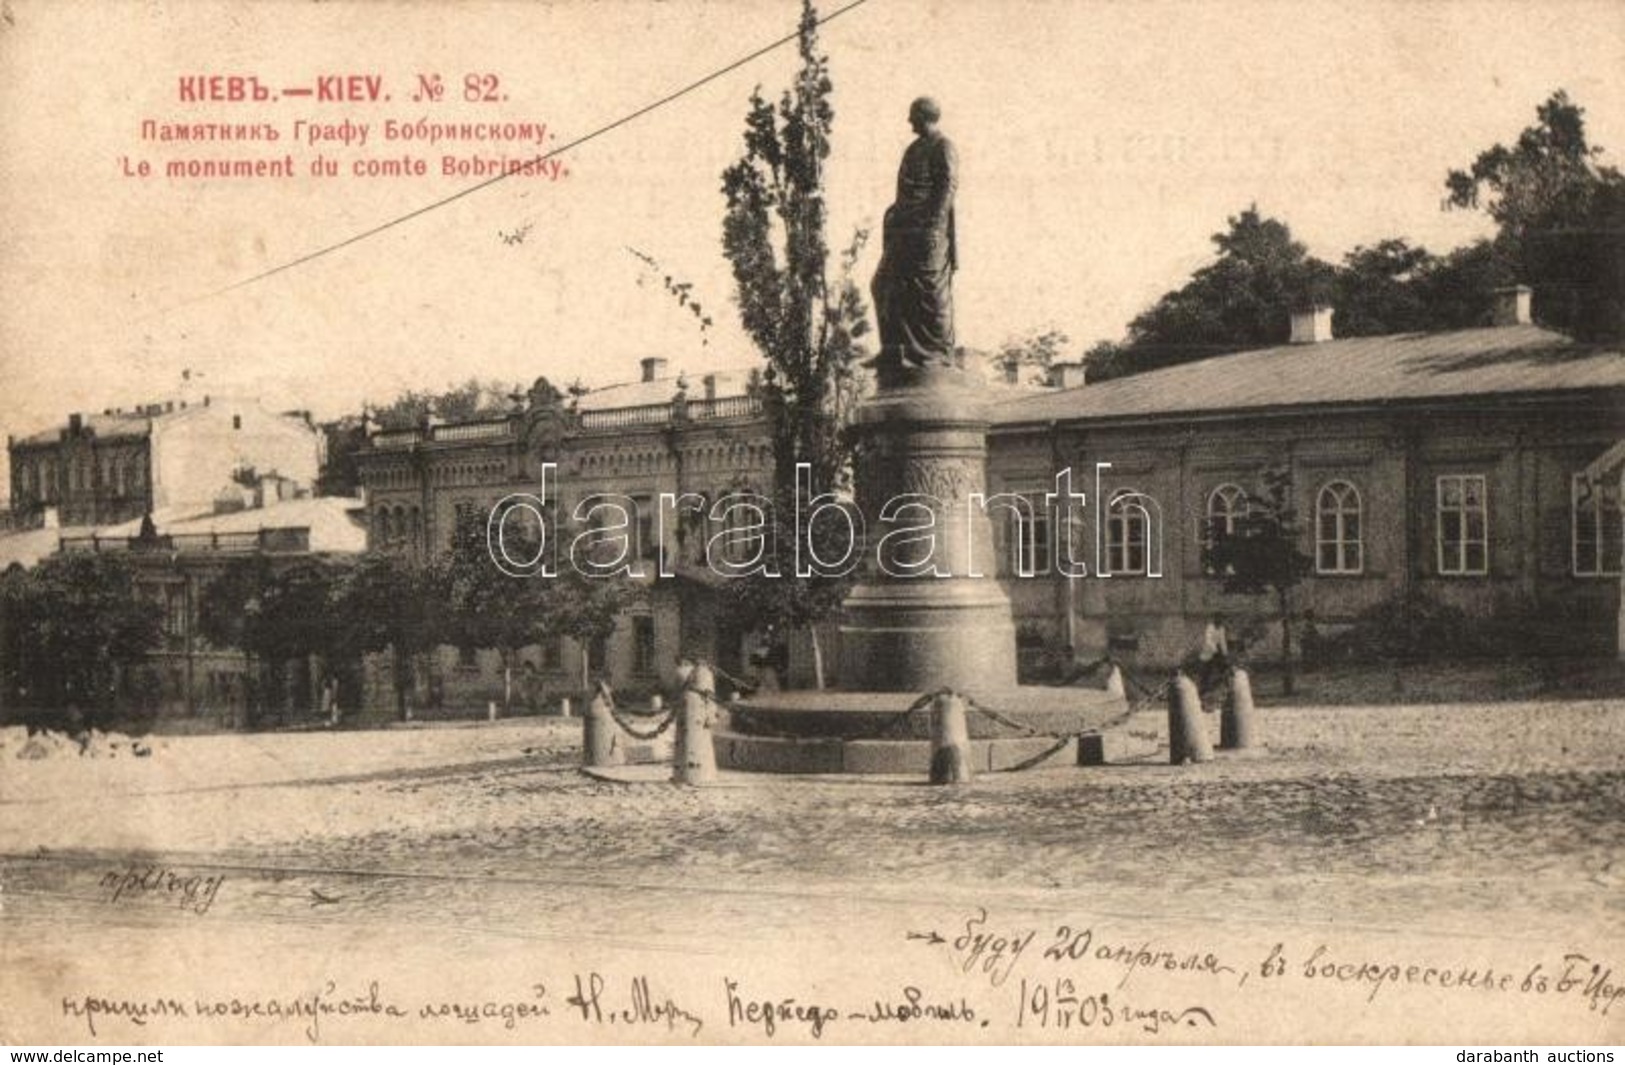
{"x":654,"y":368}
{"x":1512,"y":305}
{"x":1312,"y":325}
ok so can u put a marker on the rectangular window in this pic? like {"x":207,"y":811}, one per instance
{"x":1463,"y":525}
{"x":1598,"y":540}
{"x":647,"y":545}
{"x":643,"y":645}
{"x":172,"y":599}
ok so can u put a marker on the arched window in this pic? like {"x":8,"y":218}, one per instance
{"x":1133,"y":534}
{"x":1337,"y":529}
{"x":1226,"y":505}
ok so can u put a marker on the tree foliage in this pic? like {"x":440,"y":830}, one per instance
{"x":394,"y":601}
{"x":1031,"y":353}
{"x":807,"y":325}
{"x":69,"y":630}
{"x":1259,"y":553}
{"x":1561,"y":218}
{"x":473,"y":399}
{"x":276,"y":614}
{"x":490,"y":608}
{"x":1560,"y":213}
{"x":1241,"y":300}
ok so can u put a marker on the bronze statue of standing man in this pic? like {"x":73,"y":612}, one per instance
{"x":913,"y":287}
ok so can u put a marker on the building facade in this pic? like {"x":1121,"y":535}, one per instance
{"x":170,"y":458}
{"x":1450,"y":467}
{"x":1444,"y":467}
{"x":185,"y":681}
{"x":659,"y":434}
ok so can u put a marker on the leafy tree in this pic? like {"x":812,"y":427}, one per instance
{"x":1241,"y":300}
{"x":487,"y":608}
{"x":473,"y":399}
{"x":1559,"y":211}
{"x":808,"y":327}
{"x":490,"y":608}
{"x":1107,"y":359}
{"x":1260,"y":555}
{"x":68,"y":630}
{"x":1458,"y":289}
{"x":1035,"y":351}
{"x":585,"y":610}
{"x":229,"y":613}
{"x":1377,"y":291}
{"x":789,"y":603}
{"x":398,"y":602}
{"x":274,"y":614}
{"x":339,"y":475}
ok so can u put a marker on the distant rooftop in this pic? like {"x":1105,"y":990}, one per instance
{"x":1407,"y":367}
{"x":105,"y":426}
{"x":726,"y":383}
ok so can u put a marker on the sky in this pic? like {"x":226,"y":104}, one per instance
{"x":1101,"y":144}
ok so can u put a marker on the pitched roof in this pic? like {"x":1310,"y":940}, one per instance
{"x":1360,"y":370}
{"x":105,"y":426}
{"x":336,"y":523}
{"x":661,"y":390}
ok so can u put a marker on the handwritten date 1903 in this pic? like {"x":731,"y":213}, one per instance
{"x":1057,"y":1005}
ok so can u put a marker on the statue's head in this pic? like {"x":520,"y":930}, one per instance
{"x":923,"y":114}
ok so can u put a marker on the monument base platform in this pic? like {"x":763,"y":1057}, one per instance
{"x":874,"y":732}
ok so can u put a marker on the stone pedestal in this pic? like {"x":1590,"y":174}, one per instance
{"x":932,"y":614}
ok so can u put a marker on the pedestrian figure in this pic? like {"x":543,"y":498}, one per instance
{"x":1212,"y":657}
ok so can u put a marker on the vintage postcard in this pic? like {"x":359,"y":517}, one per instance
{"x":856,"y":522}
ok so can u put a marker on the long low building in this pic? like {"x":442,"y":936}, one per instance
{"x":1445,"y":466}
{"x":1479,"y":470}
{"x":1449,"y":466}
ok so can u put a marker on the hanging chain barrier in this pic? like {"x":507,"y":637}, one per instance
{"x":668,"y":718}
{"x":1142,"y":695}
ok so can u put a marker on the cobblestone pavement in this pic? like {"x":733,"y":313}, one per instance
{"x":1351,"y":813}
{"x":478,"y":857}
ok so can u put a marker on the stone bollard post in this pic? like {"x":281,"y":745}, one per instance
{"x":1236,"y":723}
{"x":600,"y":742}
{"x":491,"y":710}
{"x":1114,"y":682}
{"x":950,"y":741}
{"x":695,"y":759}
{"x":1091,"y":749}
{"x":1187,"y":737}
{"x":564,"y":706}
